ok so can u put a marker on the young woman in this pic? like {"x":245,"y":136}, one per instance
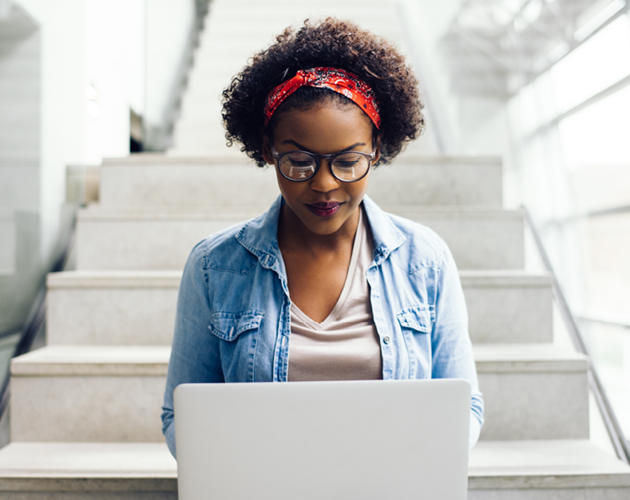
{"x":325,"y":285}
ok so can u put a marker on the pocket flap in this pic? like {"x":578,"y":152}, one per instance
{"x":416,"y":318}
{"x":228,"y":326}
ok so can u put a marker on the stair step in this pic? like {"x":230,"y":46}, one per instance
{"x":185,"y":182}
{"x":478,"y":239}
{"x":510,"y":470}
{"x":98,"y":361}
{"x":508,"y":306}
{"x":545,"y":470}
{"x":532,"y":391}
{"x":141,"y":240}
{"x":81,"y":471}
{"x":88,"y":394}
{"x":179,"y":182}
{"x":113,"y":393}
{"x":138,"y":307}
{"x":111,"y":307}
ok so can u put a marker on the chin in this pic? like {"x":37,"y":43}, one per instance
{"x":324,"y":229}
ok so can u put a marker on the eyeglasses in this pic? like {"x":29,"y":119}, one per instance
{"x":300,"y":166}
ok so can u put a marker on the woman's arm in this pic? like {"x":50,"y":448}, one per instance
{"x":451,"y":346}
{"x":195,"y":351}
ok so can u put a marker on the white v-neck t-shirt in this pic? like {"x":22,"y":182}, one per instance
{"x":345,"y":346}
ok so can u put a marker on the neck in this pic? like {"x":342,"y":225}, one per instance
{"x":294,"y":235}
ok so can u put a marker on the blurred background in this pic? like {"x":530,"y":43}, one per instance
{"x":542,"y":84}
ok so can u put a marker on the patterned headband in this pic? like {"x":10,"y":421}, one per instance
{"x":334,"y":79}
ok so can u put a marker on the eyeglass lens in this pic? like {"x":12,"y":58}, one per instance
{"x":346,"y":167}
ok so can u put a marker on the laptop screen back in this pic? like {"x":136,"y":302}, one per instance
{"x":323,"y":440}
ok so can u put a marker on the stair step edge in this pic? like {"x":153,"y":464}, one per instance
{"x":153,"y":360}
{"x":106,"y":466}
{"x":171,"y":279}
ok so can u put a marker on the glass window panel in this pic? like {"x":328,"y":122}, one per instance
{"x":530,"y":117}
{"x":606,"y":270}
{"x":598,"y":187}
{"x":609,"y":346}
{"x":606,"y":247}
{"x":598,"y":135}
{"x":594,"y":66}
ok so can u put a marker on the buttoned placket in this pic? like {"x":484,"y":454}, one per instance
{"x":280,"y":366}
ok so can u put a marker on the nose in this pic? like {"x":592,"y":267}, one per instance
{"x":324,"y":181}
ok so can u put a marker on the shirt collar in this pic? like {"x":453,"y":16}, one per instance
{"x":260,"y":235}
{"x":386,"y":236}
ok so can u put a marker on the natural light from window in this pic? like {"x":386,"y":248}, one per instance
{"x":594,"y":66}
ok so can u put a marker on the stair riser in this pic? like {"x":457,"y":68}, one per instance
{"x":226,"y":46}
{"x":208,"y":140}
{"x":145,"y":316}
{"x":126,"y":408}
{"x":43,"y":493}
{"x":509,"y":314}
{"x":164,"y":244}
{"x":442,"y":183}
{"x":86,"y":408}
{"x":500,"y":494}
{"x":550,"y":494}
{"x":263,"y":32}
{"x":187,"y":185}
{"x":535,"y":405}
{"x":124,"y":316}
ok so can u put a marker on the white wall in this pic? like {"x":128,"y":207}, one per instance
{"x":93,"y":70}
{"x":62,"y":29}
{"x":20,"y":66}
{"x":114,"y":68}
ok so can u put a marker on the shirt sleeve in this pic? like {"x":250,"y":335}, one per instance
{"x":451,"y":345}
{"x":195,"y":351}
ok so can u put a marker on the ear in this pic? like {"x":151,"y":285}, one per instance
{"x":266,"y":150}
{"x":377,"y":149}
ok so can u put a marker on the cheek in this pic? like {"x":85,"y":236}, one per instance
{"x":287,"y":188}
{"x":359,"y":188}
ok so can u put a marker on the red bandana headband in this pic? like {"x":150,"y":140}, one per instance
{"x":334,"y":79}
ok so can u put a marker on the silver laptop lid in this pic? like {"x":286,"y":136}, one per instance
{"x":323,"y":440}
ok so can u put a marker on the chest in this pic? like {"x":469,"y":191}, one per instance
{"x":315,"y":285}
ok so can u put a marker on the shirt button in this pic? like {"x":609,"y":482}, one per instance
{"x":385,"y":340}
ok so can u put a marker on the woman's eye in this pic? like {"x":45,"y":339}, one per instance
{"x":301,"y":163}
{"x":300,"y":160}
{"x":348,"y":161}
{"x":346,"y":164}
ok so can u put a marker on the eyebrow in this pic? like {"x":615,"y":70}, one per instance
{"x":349,"y":148}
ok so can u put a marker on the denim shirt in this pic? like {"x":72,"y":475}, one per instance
{"x":233,"y":310}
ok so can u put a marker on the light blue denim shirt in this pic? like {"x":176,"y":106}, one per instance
{"x":233,"y":310}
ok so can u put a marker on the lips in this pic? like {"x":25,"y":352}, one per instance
{"x":324,"y":208}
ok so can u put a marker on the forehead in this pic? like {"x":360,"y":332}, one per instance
{"x":324,"y":128}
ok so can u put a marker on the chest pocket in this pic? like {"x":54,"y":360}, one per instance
{"x":228,"y":326}
{"x":417,"y":319}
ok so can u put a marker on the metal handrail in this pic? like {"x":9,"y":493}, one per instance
{"x":615,"y":432}
{"x":37,"y":315}
{"x":604,"y":319}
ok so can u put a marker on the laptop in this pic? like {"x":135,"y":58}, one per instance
{"x":363,"y":440}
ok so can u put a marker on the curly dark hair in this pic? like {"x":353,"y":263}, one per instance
{"x":334,"y":43}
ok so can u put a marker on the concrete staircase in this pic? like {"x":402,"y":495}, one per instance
{"x":85,"y":410}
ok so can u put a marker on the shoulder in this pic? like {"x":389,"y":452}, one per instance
{"x":421,"y":246}
{"x":221,"y":251}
